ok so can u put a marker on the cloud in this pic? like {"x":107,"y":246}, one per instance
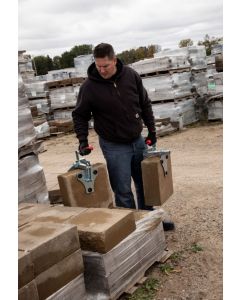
{"x":56,"y":25}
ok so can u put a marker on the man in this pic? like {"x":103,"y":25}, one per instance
{"x":114,"y":95}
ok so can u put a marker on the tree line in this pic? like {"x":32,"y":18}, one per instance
{"x":42,"y":64}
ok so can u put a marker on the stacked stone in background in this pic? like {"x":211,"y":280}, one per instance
{"x":174,"y":79}
{"x":81,"y":64}
{"x":31,"y":180}
{"x":25,"y":67}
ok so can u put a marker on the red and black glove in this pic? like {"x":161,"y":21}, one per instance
{"x":151,"y":139}
{"x":84,"y":148}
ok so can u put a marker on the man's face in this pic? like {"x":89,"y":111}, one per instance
{"x":106,"y":67}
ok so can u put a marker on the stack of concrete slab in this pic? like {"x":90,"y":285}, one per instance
{"x":31,"y":180}
{"x":50,"y":236}
{"x":197,"y":57}
{"x":50,"y":262}
{"x":63,"y":97}
{"x":26,"y":132}
{"x":109,"y":275}
{"x":182,"y":85}
{"x":159,"y":87}
{"x":25,"y":67}
{"x":81,"y":64}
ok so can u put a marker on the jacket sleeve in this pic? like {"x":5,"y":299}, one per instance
{"x":82,"y":114}
{"x":146,"y":106}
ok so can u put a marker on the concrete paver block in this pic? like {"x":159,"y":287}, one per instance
{"x":100,"y":229}
{"x":28,"y":292}
{"x":25,"y":268}
{"x":28,"y":211}
{"x":157,"y":187}
{"x":48,"y":243}
{"x":74,"y":193}
{"x":58,"y":275}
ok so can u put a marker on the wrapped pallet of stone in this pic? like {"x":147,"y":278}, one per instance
{"x":197,"y":57}
{"x":151,"y":65}
{"x":181,"y":83}
{"x":42,"y":105}
{"x":53,"y":252}
{"x":109,"y":275}
{"x":215,"y":84}
{"x":31,"y":180}
{"x":42,"y":130}
{"x":159,"y":87}
{"x":63,"y":114}
{"x":215,"y":108}
{"x":199,"y":81}
{"x":36,"y":89}
{"x":188,"y":111}
{"x":63,"y":97}
{"x":26,"y":132}
{"x":172,"y":52}
{"x":81,"y":64}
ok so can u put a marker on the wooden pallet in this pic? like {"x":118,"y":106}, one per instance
{"x":142,"y":278}
{"x":165,"y":72}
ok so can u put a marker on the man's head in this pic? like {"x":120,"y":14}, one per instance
{"x":105,"y":60}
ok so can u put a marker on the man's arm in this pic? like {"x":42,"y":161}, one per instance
{"x":81,"y":115}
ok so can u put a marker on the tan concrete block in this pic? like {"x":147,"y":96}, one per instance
{"x":157,"y":187}
{"x":48,"y":243}
{"x":25,"y":268}
{"x":28,"y":292}
{"x":57,"y":276}
{"x":28,"y":211}
{"x":100,"y":229}
{"x":59,"y":214}
{"x":74,"y":193}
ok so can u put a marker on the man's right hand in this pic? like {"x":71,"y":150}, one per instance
{"x":84,"y":148}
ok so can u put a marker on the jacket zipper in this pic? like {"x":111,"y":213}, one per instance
{"x":115,"y":85}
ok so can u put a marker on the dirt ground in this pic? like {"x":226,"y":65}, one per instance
{"x":195,"y":269}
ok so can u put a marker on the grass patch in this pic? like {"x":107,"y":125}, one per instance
{"x":147,"y":291}
{"x":196,"y":248}
{"x":166,"y":268}
{"x":176,"y":256}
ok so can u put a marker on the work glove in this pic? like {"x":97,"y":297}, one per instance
{"x":84,"y":148}
{"x":151,"y":139}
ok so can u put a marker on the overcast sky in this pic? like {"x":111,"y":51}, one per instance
{"x":53,"y":26}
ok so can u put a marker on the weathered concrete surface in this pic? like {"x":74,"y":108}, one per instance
{"x":100,"y":229}
{"x":59,"y":214}
{"x":28,"y":292}
{"x":157,"y":187}
{"x":28,"y":211}
{"x":48,"y":243}
{"x":25,"y":268}
{"x":59,"y":274}
{"x":74,"y":193}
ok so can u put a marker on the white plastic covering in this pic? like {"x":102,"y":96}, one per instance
{"x":63,"y":114}
{"x":197,"y":57}
{"x":159,"y":87}
{"x":42,"y":130}
{"x":41,"y":104}
{"x":108,"y":275}
{"x":200,"y":82}
{"x":217,"y":49}
{"x":181,"y":84}
{"x":151,"y":65}
{"x":183,"y":111}
{"x":82,"y":62}
{"x":26,"y":132}
{"x":31,"y":180}
{"x":215,"y":84}
{"x":215,"y":110}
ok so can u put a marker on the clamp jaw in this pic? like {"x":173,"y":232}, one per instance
{"x":162,"y":154}
{"x":86,"y":173}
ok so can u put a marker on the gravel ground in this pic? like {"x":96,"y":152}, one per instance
{"x":195,"y":269}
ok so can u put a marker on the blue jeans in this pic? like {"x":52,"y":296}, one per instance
{"x":124,"y":163}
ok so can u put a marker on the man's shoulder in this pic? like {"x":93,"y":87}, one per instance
{"x":130,"y":71}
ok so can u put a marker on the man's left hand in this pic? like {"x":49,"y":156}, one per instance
{"x":151,"y":139}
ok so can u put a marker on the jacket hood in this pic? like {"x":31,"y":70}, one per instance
{"x":94,"y":75}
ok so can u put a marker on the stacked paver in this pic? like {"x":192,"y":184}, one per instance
{"x":31,"y":180}
{"x":60,"y":243}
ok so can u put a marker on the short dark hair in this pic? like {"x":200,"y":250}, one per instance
{"x":102,"y":50}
